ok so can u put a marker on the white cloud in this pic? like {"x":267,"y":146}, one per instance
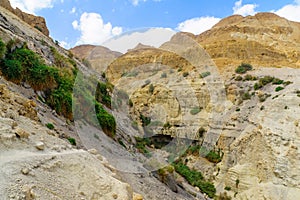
{"x":247,"y":9}
{"x":73,"y":10}
{"x":152,"y":36}
{"x":290,"y":11}
{"x":197,"y":25}
{"x":94,"y":30}
{"x":136,"y":2}
{"x":31,"y":6}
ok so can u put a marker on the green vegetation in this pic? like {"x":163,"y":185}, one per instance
{"x":227,"y":188}
{"x":102,"y":93}
{"x":185,"y":74}
{"x":72,"y":141}
{"x":266,"y":80}
{"x":237,"y":182}
{"x":106,"y":120}
{"x":196,"y":110}
{"x":246,"y":96}
{"x":141,"y":144}
{"x":201,"y":132}
{"x":145,"y":120}
{"x":195,"y":178}
{"x":2,"y":49}
{"x":238,"y":78}
{"x":50,"y":126}
{"x":167,"y":125}
{"x":20,"y":64}
{"x":214,"y":157}
{"x":151,"y":88}
{"x":204,"y":74}
{"x":249,"y":77}
{"x":243,"y":68}
{"x":277,"y":89}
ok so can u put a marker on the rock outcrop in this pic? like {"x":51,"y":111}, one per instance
{"x":36,"y":22}
{"x":265,"y":40}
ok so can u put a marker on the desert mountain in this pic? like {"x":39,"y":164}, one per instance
{"x":249,"y":112}
{"x":240,"y":127}
{"x":265,"y":40}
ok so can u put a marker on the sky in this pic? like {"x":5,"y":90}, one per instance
{"x":75,"y":22}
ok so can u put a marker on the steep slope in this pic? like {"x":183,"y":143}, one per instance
{"x":37,"y":160}
{"x":36,"y":22}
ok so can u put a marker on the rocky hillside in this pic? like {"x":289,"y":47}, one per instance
{"x":40,"y":151}
{"x":265,"y":40}
{"x":244,"y":119}
{"x":35,"y":21}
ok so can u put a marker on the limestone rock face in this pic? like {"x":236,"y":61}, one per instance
{"x":35,"y":21}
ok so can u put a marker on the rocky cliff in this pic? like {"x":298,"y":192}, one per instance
{"x":36,"y":22}
{"x":250,"y":117}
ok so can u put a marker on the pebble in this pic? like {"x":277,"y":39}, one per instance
{"x":40,"y":146}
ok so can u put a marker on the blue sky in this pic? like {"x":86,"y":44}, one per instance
{"x":74,"y":22}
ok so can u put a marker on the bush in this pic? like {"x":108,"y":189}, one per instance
{"x":102,"y":93}
{"x":50,"y":126}
{"x":106,"y":120}
{"x":195,"y":110}
{"x":238,"y":78}
{"x":246,"y":96}
{"x":195,"y":178}
{"x":2,"y":49}
{"x":24,"y":65}
{"x":227,"y":188}
{"x":279,"y":88}
{"x":72,"y":141}
{"x":185,"y":74}
{"x":204,"y":74}
{"x":151,"y":88}
{"x":243,"y":68}
{"x":145,"y":120}
{"x":214,"y":157}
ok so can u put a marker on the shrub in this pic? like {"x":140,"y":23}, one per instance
{"x":24,"y":65}
{"x":277,"y":81}
{"x":102,"y":93}
{"x":72,"y":141}
{"x":2,"y":49}
{"x":185,"y":74}
{"x":195,"y":110}
{"x":238,"y":78}
{"x":243,"y":68}
{"x":141,"y":144}
{"x":249,"y":77}
{"x":195,"y":178}
{"x":201,"y":132}
{"x":246,"y":96}
{"x":151,"y":88}
{"x":204,"y":74}
{"x":50,"y":126}
{"x":227,"y":188}
{"x":279,"y":88}
{"x":106,"y":120}
{"x":145,"y":120}
{"x":214,"y":157}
